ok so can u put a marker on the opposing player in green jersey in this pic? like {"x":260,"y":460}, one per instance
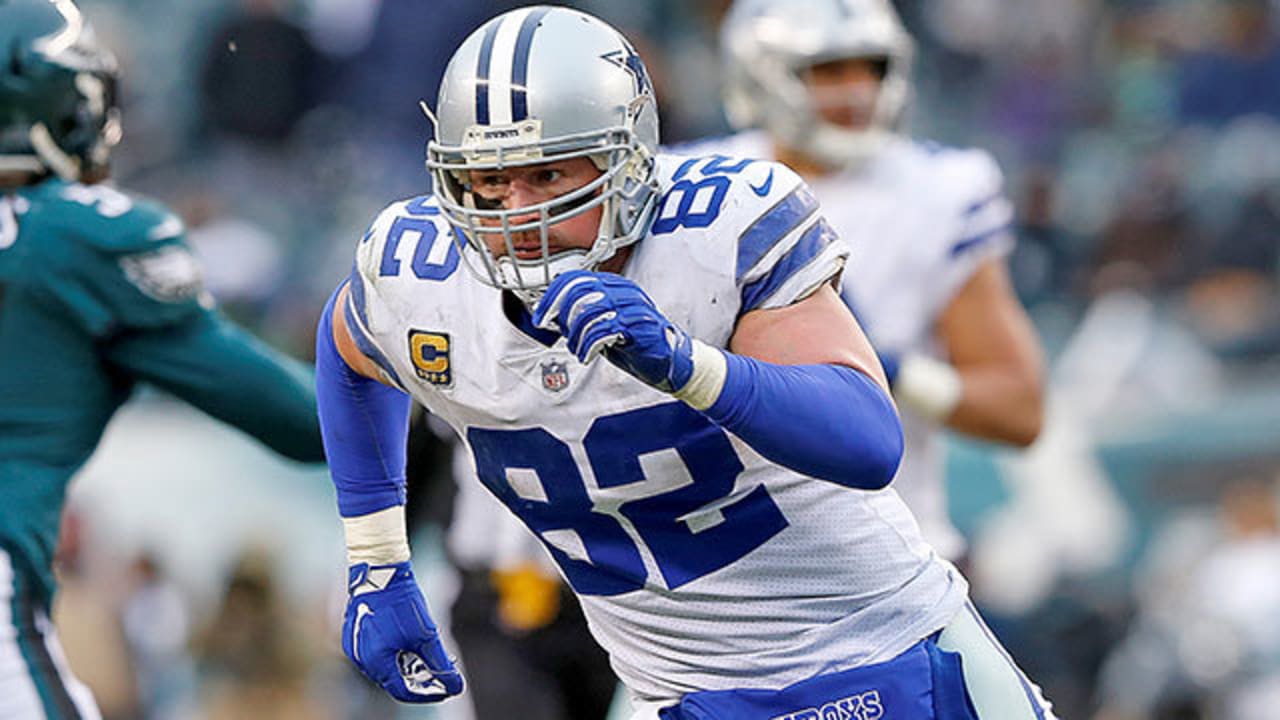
{"x":98,"y":291}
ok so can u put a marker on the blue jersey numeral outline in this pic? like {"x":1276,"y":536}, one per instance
{"x":419,"y":221}
{"x":685,"y":192}
{"x":614,"y":445}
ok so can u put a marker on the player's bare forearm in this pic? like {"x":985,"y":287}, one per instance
{"x":818,"y":329}
{"x":346,"y":345}
{"x":1005,"y":404}
{"x":994,"y":348}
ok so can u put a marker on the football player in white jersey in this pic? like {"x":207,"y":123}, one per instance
{"x":649,"y":363}
{"x":928,"y":226}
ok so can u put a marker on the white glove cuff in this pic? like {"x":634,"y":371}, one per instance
{"x":928,"y":387}
{"x":707,"y":380}
{"x":378,"y":538}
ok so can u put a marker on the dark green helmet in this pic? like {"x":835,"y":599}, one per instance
{"x":58,"y":109}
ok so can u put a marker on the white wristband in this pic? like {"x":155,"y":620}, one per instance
{"x":707,"y":380}
{"x":378,"y":538}
{"x":928,"y":387}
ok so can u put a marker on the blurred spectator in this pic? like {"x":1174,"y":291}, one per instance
{"x":157,"y":629}
{"x":260,"y":74}
{"x":1238,"y":72}
{"x":1207,"y":637}
{"x":1147,"y":244}
{"x":243,"y":263}
{"x":86,"y":614}
{"x":1042,"y":264}
{"x":253,"y":655}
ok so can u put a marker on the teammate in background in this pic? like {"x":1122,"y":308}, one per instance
{"x":928,"y":226}
{"x":97,"y":293}
{"x":701,"y":457}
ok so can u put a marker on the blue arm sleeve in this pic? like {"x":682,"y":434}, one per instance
{"x":826,"y":421}
{"x":364,"y":425}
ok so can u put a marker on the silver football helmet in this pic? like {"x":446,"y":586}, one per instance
{"x":767,"y":45}
{"x":537,"y":85}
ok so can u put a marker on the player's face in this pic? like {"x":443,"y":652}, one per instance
{"x":845,"y":91}
{"x":519,"y":187}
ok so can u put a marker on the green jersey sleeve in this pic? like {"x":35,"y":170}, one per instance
{"x":221,"y":369}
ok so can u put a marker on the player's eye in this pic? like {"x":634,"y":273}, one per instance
{"x":490,"y":181}
{"x":547,"y":176}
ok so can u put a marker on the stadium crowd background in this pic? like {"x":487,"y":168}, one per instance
{"x":1131,"y":559}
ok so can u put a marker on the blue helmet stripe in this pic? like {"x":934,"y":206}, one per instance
{"x":482,"y":74}
{"x":520,"y":68}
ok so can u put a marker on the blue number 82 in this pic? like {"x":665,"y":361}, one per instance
{"x":608,"y":560}
{"x":696,"y":203}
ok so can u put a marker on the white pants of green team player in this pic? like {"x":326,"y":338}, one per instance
{"x":998,"y":689}
{"x":35,"y":682}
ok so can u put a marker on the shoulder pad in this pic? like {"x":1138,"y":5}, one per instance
{"x":966,"y":184}
{"x":384,"y":252}
{"x":969,"y":172}
{"x":760,"y":215}
{"x":108,"y":218}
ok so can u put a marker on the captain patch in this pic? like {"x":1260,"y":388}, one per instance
{"x":429,"y":352}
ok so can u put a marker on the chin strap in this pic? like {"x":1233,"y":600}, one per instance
{"x":66,"y":166}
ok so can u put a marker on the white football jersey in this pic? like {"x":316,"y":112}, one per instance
{"x":919,"y":218}
{"x":700,"y":564}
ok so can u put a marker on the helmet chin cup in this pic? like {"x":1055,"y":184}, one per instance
{"x":839,"y":147}
{"x":52,"y":156}
{"x":528,"y":282}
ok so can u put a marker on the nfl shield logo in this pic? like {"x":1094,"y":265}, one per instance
{"x":555,"y":376}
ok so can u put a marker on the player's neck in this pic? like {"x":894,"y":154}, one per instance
{"x":806,"y":166}
{"x":619,"y":260}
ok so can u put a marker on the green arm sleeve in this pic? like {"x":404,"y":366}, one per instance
{"x":221,"y":369}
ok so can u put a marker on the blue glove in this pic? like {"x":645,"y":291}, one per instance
{"x":388,"y":634}
{"x":606,"y":313}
